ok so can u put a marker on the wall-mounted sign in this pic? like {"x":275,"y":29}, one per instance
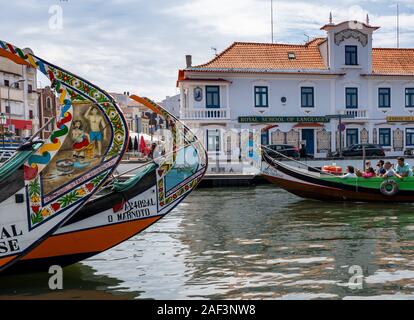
{"x":281,"y":119}
{"x":198,"y":94}
{"x":400,"y":119}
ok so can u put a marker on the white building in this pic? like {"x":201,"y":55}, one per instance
{"x":172,"y":105}
{"x":19,"y":98}
{"x":286,"y":91}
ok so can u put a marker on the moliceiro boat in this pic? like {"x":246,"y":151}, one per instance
{"x":46,"y":183}
{"x":313,"y":183}
{"x":125,"y":207}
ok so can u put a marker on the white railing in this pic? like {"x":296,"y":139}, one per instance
{"x":357,"y":113}
{"x":205,"y":113}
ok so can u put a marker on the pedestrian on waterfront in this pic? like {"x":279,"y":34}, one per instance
{"x":350,"y":172}
{"x":390,"y":172}
{"x":302,"y":151}
{"x":381,"y":170}
{"x":403,"y":168}
{"x":152,"y":150}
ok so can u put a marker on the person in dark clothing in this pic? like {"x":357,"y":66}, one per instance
{"x":302,"y":151}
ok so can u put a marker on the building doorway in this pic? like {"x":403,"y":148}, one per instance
{"x":308,"y":135}
{"x":264,"y":140}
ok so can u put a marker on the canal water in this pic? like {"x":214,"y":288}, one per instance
{"x":249,"y":243}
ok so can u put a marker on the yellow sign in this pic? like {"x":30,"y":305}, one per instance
{"x":400,"y":119}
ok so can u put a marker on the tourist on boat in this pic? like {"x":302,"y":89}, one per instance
{"x":369,"y":173}
{"x":403,"y":168}
{"x":350,"y":173}
{"x":390,"y":172}
{"x":381,"y":170}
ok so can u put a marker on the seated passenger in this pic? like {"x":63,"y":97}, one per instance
{"x":350,"y":173}
{"x":390,"y":172}
{"x":369,"y":173}
{"x":381,"y":170}
{"x":403,"y":168}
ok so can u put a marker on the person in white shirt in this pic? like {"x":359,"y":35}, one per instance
{"x":390,"y":172}
{"x":350,"y":173}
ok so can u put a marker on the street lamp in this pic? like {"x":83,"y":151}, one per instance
{"x":8,"y":99}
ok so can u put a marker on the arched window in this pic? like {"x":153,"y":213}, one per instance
{"x":48,"y":103}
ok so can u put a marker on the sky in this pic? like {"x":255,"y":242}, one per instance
{"x":139,"y":45}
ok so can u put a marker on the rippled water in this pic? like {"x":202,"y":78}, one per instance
{"x":246,"y":243}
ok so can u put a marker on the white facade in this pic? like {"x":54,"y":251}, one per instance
{"x":18,"y":89}
{"x":172,"y":105}
{"x":341,"y":77}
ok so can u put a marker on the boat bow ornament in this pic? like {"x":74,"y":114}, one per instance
{"x":86,"y":145}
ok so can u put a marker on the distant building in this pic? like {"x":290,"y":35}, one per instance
{"x":135,"y":113}
{"x":48,"y":108}
{"x":285,"y":91}
{"x":172,"y":105}
{"x":18,"y":98}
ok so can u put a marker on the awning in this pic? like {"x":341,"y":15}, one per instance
{"x":308,"y":125}
{"x":270,"y":126}
{"x":20,"y":124}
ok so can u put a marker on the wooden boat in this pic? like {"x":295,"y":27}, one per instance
{"x":314,"y":184}
{"x":37,"y":198}
{"x":127,"y":208}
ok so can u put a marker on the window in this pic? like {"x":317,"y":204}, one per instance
{"x":7,"y":109}
{"x":260,"y":97}
{"x":213,"y":140}
{"x":307,"y":97}
{"x":17,"y":85}
{"x":384,"y":135}
{"x":351,"y":137}
{"x":48,"y":103}
{"x":351,"y":55}
{"x":291,"y":56}
{"x":409,"y":97}
{"x":29,"y":88}
{"x":384,"y":97}
{"x":409,"y":137}
{"x":351,"y":98}
{"x":212,"y":97}
{"x":6,"y":83}
{"x":30,"y":114}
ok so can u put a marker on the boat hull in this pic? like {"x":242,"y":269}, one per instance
{"x":69,"y":248}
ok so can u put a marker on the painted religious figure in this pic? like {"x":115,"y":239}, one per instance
{"x":80,"y":140}
{"x":97,"y":128}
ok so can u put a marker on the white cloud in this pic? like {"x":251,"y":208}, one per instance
{"x":138,"y":46}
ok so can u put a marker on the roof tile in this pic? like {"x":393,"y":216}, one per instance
{"x":268,"y":56}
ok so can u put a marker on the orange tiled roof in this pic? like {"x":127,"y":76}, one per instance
{"x":246,"y":55}
{"x":393,"y":61}
{"x":253,"y":57}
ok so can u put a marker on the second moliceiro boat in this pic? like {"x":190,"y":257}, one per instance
{"x":312,"y":183}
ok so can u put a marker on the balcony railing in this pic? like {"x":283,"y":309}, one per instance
{"x":357,"y":113}
{"x":205,"y":114}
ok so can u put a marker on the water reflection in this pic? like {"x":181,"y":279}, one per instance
{"x":80,"y":282}
{"x":258,"y":243}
